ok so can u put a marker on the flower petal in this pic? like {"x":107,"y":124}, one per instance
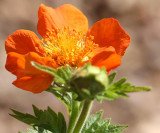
{"x":35,"y":84}
{"x":108,"y":32}
{"x":20,"y":65}
{"x":65,"y":15}
{"x":22,"y":42}
{"x":106,"y":58}
{"x":15,"y":63}
{"x":38,"y":59}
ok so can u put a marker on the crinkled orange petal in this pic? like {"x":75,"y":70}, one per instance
{"x":107,"y":58}
{"x":20,"y":65}
{"x":65,"y":15}
{"x":38,"y":59}
{"x":22,"y":42}
{"x":108,"y":32}
{"x":35,"y":84}
{"x":15,"y":63}
{"x":101,"y":49}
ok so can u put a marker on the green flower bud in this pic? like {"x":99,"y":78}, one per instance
{"x":89,"y":81}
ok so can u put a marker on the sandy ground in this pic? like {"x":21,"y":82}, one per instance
{"x":141,"y":63}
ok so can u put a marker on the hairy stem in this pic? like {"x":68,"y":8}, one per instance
{"x":84,"y":115}
{"x":76,"y":109}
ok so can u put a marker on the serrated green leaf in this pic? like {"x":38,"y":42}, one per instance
{"x":116,"y":129}
{"x":46,"y":69}
{"x":46,"y":119}
{"x":61,"y":74}
{"x":66,"y":98}
{"x":49,"y":70}
{"x":53,"y":114}
{"x":110,"y":95}
{"x":111,"y":77}
{"x":91,"y":120}
{"x":120,"y":82}
{"x":94,"y":124}
{"x":26,"y":118}
{"x":37,"y":111}
{"x":61,"y":122}
{"x":136,"y":89}
{"x":120,"y":89}
{"x":101,"y":126}
{"x":37,"y":130}
{"x":64,"y":73}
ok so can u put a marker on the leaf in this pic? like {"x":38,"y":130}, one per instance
{"x":46,"y":119}
{"x":37,"y":130}
{"x":37,"y":111}
{"x":46,"y":69}
{"x":26,"y":118}
{"x":136,"y":89}
{"x":65,"y":72}
{"x":61,"y":122}
{"x":116,"y":129}
{"x":61,"y":75}
{"x":120,"y":82}
{"x":111,"y":77}
{"x":64,"y":97}
{"x":60,"y":87}
{"x":120,"y":89}
{"x":91,"y":120}
{"x":94,"y":124}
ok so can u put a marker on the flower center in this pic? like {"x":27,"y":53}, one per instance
{"x":67,"y":46}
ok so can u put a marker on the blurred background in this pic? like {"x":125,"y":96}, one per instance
{"x":141,"y":63}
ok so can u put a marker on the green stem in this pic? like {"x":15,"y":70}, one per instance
{"x":84,"y":114}
{"x":76,"y":109}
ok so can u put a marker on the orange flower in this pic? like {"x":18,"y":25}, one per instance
{"x":64,"y":42}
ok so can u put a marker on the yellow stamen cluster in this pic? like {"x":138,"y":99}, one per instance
{"x":67,"y":46}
